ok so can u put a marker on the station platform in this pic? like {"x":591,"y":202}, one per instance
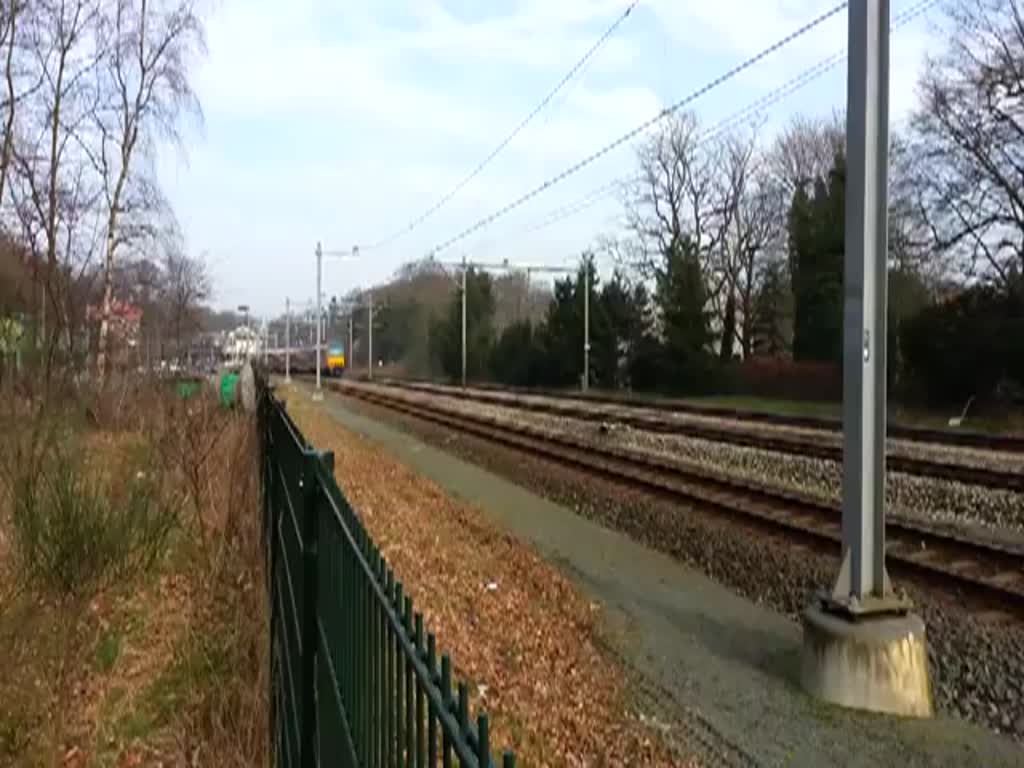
{"x":713,"y":666}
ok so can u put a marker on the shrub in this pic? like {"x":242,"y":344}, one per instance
{"x":77,"y":529}
{"x":514,"y":359}
{"x":782,"y":378}
{"x":968,"y":346}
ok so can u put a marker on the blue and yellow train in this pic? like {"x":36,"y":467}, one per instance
{"x":335,"y":362}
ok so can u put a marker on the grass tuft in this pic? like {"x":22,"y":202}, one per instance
{"x":108,"y":650}
{"x":76,"y":530}
{"x":133,"y":620}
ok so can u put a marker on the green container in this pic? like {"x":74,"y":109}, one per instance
{"x":229,"y":389}
{"x":187,"y":388}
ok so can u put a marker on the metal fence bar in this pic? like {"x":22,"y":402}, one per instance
{"x":431,"y":711}
{"x":354,"y":674}
{"x":421,"y":744}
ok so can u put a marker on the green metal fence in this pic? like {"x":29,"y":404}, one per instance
{"x":355,"y":681}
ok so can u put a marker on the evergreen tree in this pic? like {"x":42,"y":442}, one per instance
{"x":623,"y":319}
{"x":682,"y":299}
{"x":773,"y":312}
{"x":908,"y":296}
{"x":561,"y":336}
{"x":393,"y":329}
{"x":514,"y":357}
{"x":816,"y":248}
{"x":446,"y":332}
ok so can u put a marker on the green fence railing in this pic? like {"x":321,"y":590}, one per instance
{"x":354,"y":679}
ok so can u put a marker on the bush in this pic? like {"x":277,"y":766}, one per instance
{"x":969,"y":346}
{"x":785,"y":379}
{"x":515,"y":356}
{"x":77,"y":529}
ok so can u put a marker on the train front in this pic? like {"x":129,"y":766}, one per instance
{"x":335,"y":360}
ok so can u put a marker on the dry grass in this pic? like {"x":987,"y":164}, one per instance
{"x":167,"y":667}
{"x":518,"y":630}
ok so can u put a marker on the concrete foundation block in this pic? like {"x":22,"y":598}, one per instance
{"x":871,"y":663}
{"x":247,"y":384}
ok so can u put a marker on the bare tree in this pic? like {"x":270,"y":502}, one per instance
{"x":146,"y":92}
{"x":672,"y":198}
{"x":969,"y":139}
{"x":59,"y":37}
{"x":912,"y":246}
{"x":804,"y":151}
{"x":10,"y":11}
{"x":185,"y":286}
{"x":748,"y":205}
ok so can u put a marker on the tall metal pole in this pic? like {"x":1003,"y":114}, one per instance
{"x":528,"y":317}
{"x":586,"y":323}
{"x":287,"y":340}
{"x":369,"y":318}
{"x":349,"y":360}
{"x":319,"y":268}
{"x":464,"y":269}
{"x":863,"y":573}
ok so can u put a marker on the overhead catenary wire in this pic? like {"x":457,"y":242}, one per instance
{"x":591,"y":198}
{"x":633,"y":133}
{"x":447,"y":197}
{"x":809,"y":75}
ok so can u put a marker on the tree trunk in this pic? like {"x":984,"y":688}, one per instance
{"x":108,"y":296}
{"x":728,"y":325}
{"x":108,"y":264}
{"x":5,"y":158}
{"x":749,"y":319}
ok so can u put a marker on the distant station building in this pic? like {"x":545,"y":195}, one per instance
{"x":242,"y":344}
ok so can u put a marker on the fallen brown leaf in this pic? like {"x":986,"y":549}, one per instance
{"x":518,"y":631}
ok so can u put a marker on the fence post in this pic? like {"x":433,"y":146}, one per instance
{"x":312,"y":496}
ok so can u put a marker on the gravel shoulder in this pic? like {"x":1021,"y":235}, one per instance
{"x":716,"y":667}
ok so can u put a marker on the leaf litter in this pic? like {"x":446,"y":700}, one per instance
{"x":519,"y":632}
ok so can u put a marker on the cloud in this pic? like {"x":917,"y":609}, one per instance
{"x":343,"y":121}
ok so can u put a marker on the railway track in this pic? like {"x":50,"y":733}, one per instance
{"x":645,"y":419}
{"x":988,"y":572}
{"x":946,"y":437}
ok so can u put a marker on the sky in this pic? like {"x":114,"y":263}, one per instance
{"x":341,"y":122}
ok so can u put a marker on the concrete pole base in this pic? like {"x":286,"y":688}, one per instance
{"x":875,"y":663}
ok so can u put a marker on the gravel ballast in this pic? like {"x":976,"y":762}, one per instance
{"x":942,"y":452}
{"x":926,"y":498}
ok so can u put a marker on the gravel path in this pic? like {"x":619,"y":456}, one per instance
{"x":931,"y":499}
{"x":977,"y":665}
